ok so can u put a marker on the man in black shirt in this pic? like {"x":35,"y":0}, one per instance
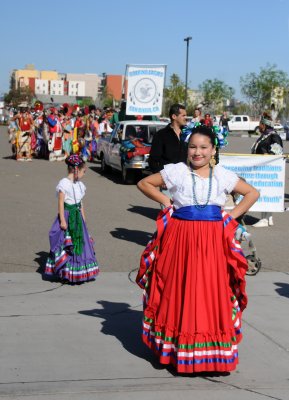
{"x":167,"y":147}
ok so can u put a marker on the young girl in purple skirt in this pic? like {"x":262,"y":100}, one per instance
{"x":72,"y":258}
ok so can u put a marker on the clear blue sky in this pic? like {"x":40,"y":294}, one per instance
{"x":230,"y":37}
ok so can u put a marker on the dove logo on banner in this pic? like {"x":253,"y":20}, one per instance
{"x":145,"y":89}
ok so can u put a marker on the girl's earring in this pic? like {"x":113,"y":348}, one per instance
{"x":188,"y":162}
{"x":212,"y":161}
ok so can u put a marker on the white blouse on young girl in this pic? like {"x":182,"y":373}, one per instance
{"x":73,"y":191}
{"x":179,"y":181}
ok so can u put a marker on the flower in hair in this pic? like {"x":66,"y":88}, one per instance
{"x":74,"y":160}
{"x":221,"y":134}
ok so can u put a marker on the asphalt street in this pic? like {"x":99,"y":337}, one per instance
{"x":120,"y":218}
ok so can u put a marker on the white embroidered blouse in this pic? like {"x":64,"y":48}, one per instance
{"x":179,"y":181}
{"x":73,"y":192}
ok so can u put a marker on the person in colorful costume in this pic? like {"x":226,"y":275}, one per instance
{"x":193,"y":269}
{"x":55,"y":134}
{"x":67,"y":136}
{"x":23,"y":137}
{"x":72,"y":258}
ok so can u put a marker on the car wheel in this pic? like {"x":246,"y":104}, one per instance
{"x":128,"y":176}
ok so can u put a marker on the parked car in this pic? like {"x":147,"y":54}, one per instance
{"x":127,"y":148}
{"x":243,"y":123}
{"x":165,"y":119}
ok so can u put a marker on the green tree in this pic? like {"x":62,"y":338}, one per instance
{"x":259,"y":88}
{"x":174,"y":93}
{"x":216,"y":93}
{"x":86,"y":101}
{"x":18,"y":96}
{"x":106,"y":98}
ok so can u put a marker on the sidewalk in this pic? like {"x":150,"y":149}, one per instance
{"x":83,"y":342}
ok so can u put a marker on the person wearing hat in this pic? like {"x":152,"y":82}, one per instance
{"x":269,"y":142}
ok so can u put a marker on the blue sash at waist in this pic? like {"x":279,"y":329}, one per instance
{"x":192,"y":213}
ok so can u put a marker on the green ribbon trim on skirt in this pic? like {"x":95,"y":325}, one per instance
{"x":75,"y":228}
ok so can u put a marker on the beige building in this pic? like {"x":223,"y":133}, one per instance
{"x":21,"y":76}
{"x":54,"y":83}
{"x":91,"y":83}
{"x":57,"y":87}
{"x":49,"y":75}
{"x":76,"y":88}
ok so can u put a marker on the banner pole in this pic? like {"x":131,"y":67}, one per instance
{"x":123,"y":83}
{"x":251,"y":155}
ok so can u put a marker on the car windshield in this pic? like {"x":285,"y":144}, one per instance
{"x":154,"y":129}
{"x":137,"y":132}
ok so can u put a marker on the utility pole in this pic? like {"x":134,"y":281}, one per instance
{"x":187,"y":39}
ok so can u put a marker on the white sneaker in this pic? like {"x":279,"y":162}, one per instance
{"x":262,"y":223}
{"x":271,"y":223}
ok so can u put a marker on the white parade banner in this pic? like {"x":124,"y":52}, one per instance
{"x":145,"y":85}
{"x":266,"y":173}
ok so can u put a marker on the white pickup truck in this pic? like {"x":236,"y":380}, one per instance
{"x":127,"y":148}
{"x":243,"y":123}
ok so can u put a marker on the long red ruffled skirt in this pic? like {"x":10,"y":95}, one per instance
{"x":192,"y":319}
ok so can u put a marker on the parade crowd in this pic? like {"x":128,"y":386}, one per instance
{"x":56,"y":133}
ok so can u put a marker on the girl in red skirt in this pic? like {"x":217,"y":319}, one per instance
{"x":193,"y":270}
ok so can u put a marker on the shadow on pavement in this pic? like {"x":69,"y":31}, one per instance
{"x":134,"y":236}
{"x":283,"y":289}
{"x":148,"y":212}
{"x":41,"y":261}
{"x":124,"y":324}
{"x":115,"y":176}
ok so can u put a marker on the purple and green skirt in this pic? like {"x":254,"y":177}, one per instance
{"x":63,"y":262}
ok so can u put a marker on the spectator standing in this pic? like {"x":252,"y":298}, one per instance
{"x":166,"y":146}
{"x":269,"y":142}
{"x":208,"y":120}
{"x":197,"y":116}
{"x":224,"y":120}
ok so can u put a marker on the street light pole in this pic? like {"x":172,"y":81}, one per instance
{"x":187,"y":39}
